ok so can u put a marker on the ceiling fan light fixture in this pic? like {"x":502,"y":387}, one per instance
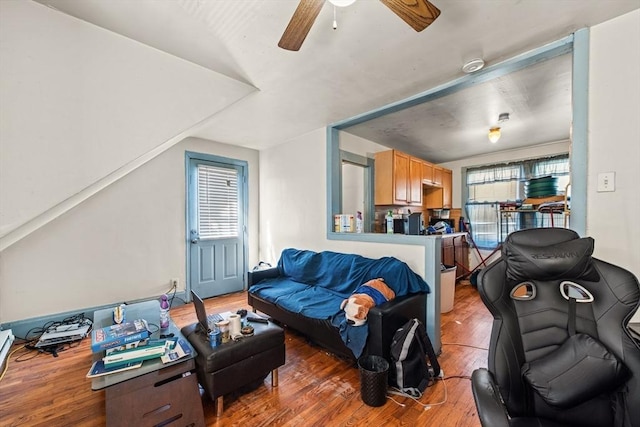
{"x":473,"y":66}
{"x":494,"y":134}
{"x":342,"y":3}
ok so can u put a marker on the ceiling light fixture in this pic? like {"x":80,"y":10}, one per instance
{"x":473,"y":66}
{"x":494,"y":134}
{"x":342,"y":3}
{"x":339,"y":3}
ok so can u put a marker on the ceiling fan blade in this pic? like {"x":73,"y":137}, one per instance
{"x":300,"y":24}
{"x":419,"y":14}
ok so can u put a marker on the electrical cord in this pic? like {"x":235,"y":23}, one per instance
{"x":175,"y":290}
{"x":33,"y":335}
{"x":6,"y":365}
{"x":426,"y":406}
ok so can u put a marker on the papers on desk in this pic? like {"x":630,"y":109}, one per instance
{"x":180,"y":350}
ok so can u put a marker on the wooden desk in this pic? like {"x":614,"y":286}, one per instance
{"x":155,"y":393}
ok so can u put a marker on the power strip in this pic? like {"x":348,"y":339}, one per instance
{"x":6,"y":341}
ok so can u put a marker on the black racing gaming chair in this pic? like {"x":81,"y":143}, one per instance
{"x":560,"y":352}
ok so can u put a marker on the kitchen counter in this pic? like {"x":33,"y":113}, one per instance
{"x":451,"y":235}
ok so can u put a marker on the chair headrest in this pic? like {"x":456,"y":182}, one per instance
{"x":557,"y":255}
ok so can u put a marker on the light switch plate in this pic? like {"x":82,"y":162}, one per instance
{"x":606,"y":181}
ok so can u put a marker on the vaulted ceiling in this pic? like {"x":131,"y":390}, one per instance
{"x":372,"y":59}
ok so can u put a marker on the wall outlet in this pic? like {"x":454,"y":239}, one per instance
{"x":174,"y":283}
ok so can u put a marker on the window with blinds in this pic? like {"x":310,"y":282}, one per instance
{"x":489,"y":186}
{"x":217,"y":202}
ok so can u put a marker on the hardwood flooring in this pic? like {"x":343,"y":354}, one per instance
{"x":315,"y":388}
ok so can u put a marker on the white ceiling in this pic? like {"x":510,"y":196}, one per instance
{"x":371,"y":60}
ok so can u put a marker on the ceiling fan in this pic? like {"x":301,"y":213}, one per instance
{"x":419,"y":14}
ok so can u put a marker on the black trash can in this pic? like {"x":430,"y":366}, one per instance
{"x":373,"y":379}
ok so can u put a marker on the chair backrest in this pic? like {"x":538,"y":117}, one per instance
{"x":532,"y":323}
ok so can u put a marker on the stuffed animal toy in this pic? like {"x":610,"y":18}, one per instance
{"x":370,"y":294}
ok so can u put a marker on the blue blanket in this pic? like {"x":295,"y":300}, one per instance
{"x":314,"y":284}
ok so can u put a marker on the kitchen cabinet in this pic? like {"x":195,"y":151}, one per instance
{"x":438,"y":197}
{"x":415,"y":181}
{"x":447,"y":188}
{"x":398,"y":179}
{"x":437,"y":176}
{"x":427,"y":173}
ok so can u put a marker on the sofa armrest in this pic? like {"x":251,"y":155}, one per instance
{"x":385,"y":319}
{"x":491,"y":409}
{"x":256,"y":276}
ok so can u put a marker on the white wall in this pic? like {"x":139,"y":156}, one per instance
{"x":78,"y":102}
{"x":614,"y":140}
{"x":124,"y":243}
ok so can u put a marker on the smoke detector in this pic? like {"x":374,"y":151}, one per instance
{"x":473,"y":66}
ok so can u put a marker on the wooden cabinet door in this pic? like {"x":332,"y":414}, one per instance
{"x":427,"y":173}
{"x":437,"y":176}
{"x":448,"y":252}
{"x":415,"y":181}
{"x":384,"y":182}
{"x":401,"y":176}
{"x":447,"y":191}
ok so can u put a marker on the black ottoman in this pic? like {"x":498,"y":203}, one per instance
{"x":229,"y":366}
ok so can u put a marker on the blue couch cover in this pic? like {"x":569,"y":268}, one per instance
{"x":313,"y":284}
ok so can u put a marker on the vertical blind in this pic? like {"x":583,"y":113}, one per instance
{"x":217,"y":202}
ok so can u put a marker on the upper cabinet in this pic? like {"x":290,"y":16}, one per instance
{"x":402,"y":180}
{"x":427,"y":173}
{"x":447,"y":188}
{"x":398,"y":179}
{"x":439,"y":196}
{"x":437,"y":176}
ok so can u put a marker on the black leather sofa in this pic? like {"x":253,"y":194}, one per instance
{"x":382,"y":323}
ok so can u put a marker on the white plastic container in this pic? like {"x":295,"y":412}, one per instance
{"x":447,"y":289}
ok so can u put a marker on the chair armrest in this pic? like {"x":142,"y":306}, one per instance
{"x":491,"y":409}
{"x":256,"y":276}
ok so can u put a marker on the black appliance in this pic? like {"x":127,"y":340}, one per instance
{"x":399,"y":225}
{"x":414,"y":224}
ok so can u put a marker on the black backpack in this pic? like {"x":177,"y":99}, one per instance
{"x":410,"y":371}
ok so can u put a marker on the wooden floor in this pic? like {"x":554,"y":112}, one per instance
{"x":315,"y":388}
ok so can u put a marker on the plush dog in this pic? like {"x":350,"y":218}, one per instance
{"x":370,"y":294}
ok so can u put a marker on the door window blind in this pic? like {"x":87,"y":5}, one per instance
{"x":217,"y":202}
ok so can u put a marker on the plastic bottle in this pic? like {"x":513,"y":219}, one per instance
{"x":358,"y":222}
{"x":389,"y":222}
{"x":164,"y":312}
